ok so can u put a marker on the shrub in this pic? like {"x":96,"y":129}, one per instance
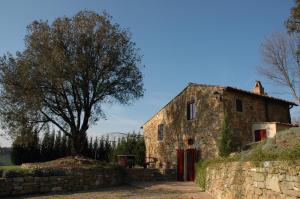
{"x":12,"y":174}
{"x":225,"y":144}
{"x":201,"y":173}
{"x":46,"y":172}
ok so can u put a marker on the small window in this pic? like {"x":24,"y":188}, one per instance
{"x":160,"y":133}
{"x":190,"y":141}
{"x":191,"y":110}
{"x":239,"y":105}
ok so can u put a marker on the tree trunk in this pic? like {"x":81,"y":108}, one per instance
{"x":79,"y":143}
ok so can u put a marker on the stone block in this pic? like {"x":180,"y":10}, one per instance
{"x":56,"y":189}
{"x":292,"y":178}
{"x":18,"y":188}
{"x":291,"y":193}
{"x":258,"y":191}
{"x":287,"y":185}
{"x":258,"y":177}
{"x":272,"y":182}
{"x":19,"y":179}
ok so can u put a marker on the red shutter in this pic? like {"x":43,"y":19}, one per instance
{"x":180,"y":164}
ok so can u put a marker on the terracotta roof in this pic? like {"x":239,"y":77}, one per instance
{"x":280,"y":123}
{"x":262,"y":96}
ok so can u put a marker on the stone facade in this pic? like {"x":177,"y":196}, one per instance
{"x":256,"y":108}
{"x":274,"y":180}
{"x":80,"y":179}
{"x":204,"y":129}
{"x":211,"y":103}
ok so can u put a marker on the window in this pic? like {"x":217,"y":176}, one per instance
{"x":190,"y":141}
{"x":191,"y":110}
{"x":160,"y":133}
{"x":239,"y":105}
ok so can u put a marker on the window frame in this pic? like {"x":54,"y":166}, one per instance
{"x":191,"y":110}
{"x":160,"y":132}
{"x":239,"y":105}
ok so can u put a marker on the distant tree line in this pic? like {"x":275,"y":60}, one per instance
{"x":28,"y":147}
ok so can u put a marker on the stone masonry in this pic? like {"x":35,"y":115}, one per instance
{"x":272,"y":180}
{"x":80,"y":179}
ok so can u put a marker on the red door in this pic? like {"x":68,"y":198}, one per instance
{"x":180,"y":164}
{"x":260,"y":135}
{"x":190,"y":165}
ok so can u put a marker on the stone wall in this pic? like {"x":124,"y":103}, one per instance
{"x":270,"y":180}
{"x":204,"y":129}
{"x":78,"y":180}
{"x":255,"y":109}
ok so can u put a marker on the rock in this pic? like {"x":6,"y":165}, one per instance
{"x":54,"y":189}
{"x":258,"y":177}
{"x":291,"y":193}
{"x":272,"y":182}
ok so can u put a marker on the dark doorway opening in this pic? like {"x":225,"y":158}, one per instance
{"x":186,"y":160}
{"x":260,"y":134}
{"x":190,"y":163}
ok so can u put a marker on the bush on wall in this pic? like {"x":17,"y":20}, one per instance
{"x":225,"y":144}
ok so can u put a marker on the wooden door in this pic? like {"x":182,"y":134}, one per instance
{"x":180,"y":164}
{"x":190,"y":164}
{"x":263,"y":134}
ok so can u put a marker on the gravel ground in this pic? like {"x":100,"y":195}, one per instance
{"x":156,"y":190}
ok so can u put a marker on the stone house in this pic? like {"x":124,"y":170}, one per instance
{"x":188,"y":127}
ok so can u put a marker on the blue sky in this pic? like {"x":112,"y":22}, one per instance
{"x":202,"y":41}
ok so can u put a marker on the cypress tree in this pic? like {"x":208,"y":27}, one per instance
{"x":225,"y":144}
{"x":25,"y":147}
{"x":69,"y":146}
{"x":95,"y":149}
{"x":57,"y":146}
{"x":90,"y":148}
{"x":63,"y":146}
{"x":47,"y":146}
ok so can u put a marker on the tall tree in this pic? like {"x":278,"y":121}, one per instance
{"x":67,"y":71}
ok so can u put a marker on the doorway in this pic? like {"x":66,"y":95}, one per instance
{"x":186,"y":160}
{"x":260,"y":134}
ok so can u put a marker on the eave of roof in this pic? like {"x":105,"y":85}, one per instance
{"x":261,"y":96}
{"x":280,"y":123}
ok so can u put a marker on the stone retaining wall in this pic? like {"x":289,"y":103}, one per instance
{"x":271,"y":180}
{"x":84,"y":179}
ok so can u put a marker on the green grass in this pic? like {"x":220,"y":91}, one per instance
{"x":11,"y":167}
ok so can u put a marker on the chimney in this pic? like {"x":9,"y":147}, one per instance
{"x":258,"y":89}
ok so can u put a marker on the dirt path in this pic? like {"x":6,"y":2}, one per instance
{"x":187,"y":189}
{"x":154,"y":190}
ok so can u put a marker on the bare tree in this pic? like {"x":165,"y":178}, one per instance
{"x":282,"y":62}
